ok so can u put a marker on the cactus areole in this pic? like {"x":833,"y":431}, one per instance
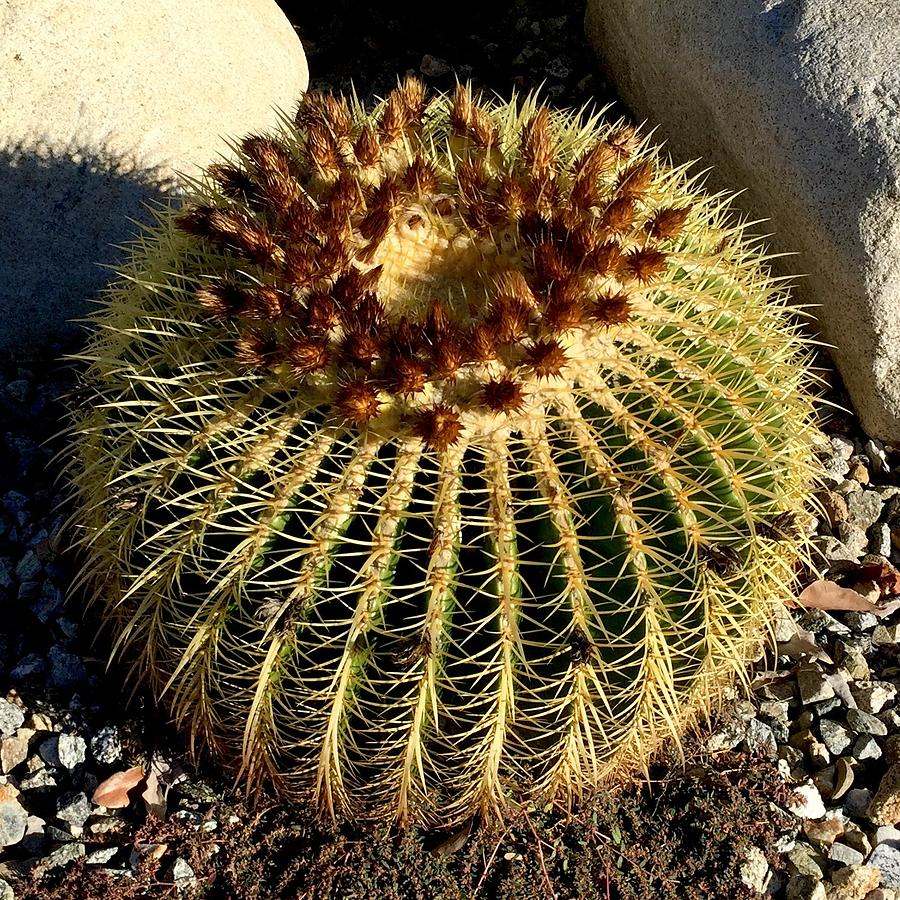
{"x":442,"y":457}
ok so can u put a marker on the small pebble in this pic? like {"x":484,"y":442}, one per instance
{"x":886,"y":634}
{"x":854,"y":882}
{"x":886,"y":857}
{"x":813,"y":684}
{"x":11,"y":717}
{"x":865,"y":723}
{"x":804,"y":887}
{"x":835,"y":736}
{"x":73,"y":808}
{"x":873,"y":696}
{"x":13,"y":818}
{"x":105,"y":745}
{"x":856,"y":801}
{"x":844,"y":855}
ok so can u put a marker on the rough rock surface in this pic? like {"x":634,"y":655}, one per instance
{"x":97,"y":114}
{"x":796,"y":101}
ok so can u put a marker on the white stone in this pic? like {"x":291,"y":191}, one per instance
{"x":798,"y":104}
{"x":809,"y":804}
{"x":99,"y":110}
{"x":755,"y":871}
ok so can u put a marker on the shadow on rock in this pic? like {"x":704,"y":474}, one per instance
{"x":62,"y":215}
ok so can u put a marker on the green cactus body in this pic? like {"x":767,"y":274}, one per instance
{"x":442,"y":457}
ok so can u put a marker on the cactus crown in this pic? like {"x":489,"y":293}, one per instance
{"x":442,"y":456}
{"x":426,"y":272}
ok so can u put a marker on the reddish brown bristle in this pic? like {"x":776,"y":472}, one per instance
{"x":623,"y":141}
{"x":298,"y":219}
{"x":369,"y":312}
{"x":231,"y":229}
{"x":409,"y":375}
{"x":351,"y":286}
{"x":509,"y":319}
{"x":343,"y":200}
{"x":322,"y":150}
{"x":586,"y":193}
{"x":321,"y":312}
{"x":604,"y":259}
{"x":502,"y":395}
{"x":612,"y":309}
{"x":367,"y":147}
{"x":582,"y":239}
{"x":268,"y":303}
{"x":394,"y":119}
{"x":667,"y":223}
{"x":360,"y":348}
{"x":268,"y":155}
{"x":254,"y":351}
{"x":308,"y":354}
{"x":619,"y":216}
{"x":437,"y":319}
{"x":644,"y":265}
{"x":510,"y":200}
{"x":357,"y":401}
{"x":300,"y":265}
{"x":439,"y":426}
{"x":542,"y":194}
{"x":461,"y":109}
{"x":412,"y":95}
{"x":481,"y":129}
{"x":549,"y":265}
{"x":197,"y":221}
{"x":537,"y":143}
{"x":600,"y":160}
{"x":375,"y":228}
{"x":448,"y":354}
{"x":481,"y":342}
{"x":333,"y":257}
{"x":336,"y":116}
{"x":420,"y":176}
{"x":234,"y":182}
{"x":223,"y":301}
{"x":635,"y":180}
{"x":565,"y":308}
{"x":535,"y":228}
{"x":472,"y":180}
{"x":407,"y":339}
{"x":511,"y":285}
{"x":546,"y":357}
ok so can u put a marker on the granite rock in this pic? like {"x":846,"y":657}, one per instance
{"x":99,"y":112}
{"x":797,"y":104}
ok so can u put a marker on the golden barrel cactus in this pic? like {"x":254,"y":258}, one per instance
{"x":441,"y":457}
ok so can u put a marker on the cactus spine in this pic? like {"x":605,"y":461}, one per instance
{"x":442,"y":456}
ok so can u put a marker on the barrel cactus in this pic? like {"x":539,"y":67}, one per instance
{"x":441,"y":457}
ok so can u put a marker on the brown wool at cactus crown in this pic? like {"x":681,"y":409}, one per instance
{"x":442,"y":456}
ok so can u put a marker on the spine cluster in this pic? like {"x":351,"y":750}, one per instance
{"x":569,"y":243}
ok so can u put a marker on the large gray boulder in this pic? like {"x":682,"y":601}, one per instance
{"x":101,"y":104}
{"x":798,"y":102}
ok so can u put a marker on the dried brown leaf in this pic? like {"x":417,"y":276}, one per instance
{"x":884,"y":575}
{"x":802,"y":644}
{"x":823,"y":594}
{"x":113,"y":792}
